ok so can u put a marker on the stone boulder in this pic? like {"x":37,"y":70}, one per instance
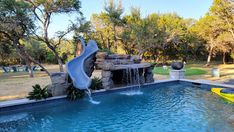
{"x":101,"y":55}
{"x":59,"y":84}
{"x":149,"y":76}
{"x":107,"y":66}
{"x":107,"y":81}
{"x":136,"y":59}
{"x":118,"y":56}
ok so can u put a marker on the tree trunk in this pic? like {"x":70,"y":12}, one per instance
{"x":60,"y":62}
{"x":209,"y":57}
{"x":232,"y":33}
{"x":224,"y":57}
{"x":30,"y":71}
{"x":108,"y":44}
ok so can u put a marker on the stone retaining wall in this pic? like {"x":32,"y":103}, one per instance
{"x":59,"y":84}
{"x":114,"y":68}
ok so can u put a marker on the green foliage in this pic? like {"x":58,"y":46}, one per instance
{"x":15,"y":18}
{"x":58,"y":6}
{"x":223,"y":10}
{"x":114,"y":12}
{"x":96,"y":84}
{"x":36,"y":49}
{"x":103,"y":34}
{"x":74,"y":93}
{"x":50,"y":58}
{"x":217,"y":28}
{"x":232,"y":55}
{"x":188,"y":71}
{"x":66,"y":50}
{"x":108,"y":26}
{"x":163,"y":37}
{"x":8,"y":54}
{"x":38,"y":93}
{"x":41,"y":52}
{"x":84,"y":30}
{"x":15,"y":25}
{"x":43,"y":10}
{"x":157,"y":37}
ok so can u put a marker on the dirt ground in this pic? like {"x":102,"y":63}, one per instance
{"x":17,"y":85}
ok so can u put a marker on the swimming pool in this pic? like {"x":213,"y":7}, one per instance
{"x":167,"y":107}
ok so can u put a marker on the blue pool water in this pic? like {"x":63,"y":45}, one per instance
{"x":174,"y":107}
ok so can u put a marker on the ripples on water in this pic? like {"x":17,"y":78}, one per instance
{"x":165,"y":108}
{"x":131,"y":92}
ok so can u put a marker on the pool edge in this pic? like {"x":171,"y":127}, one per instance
{"x":207,"y":83}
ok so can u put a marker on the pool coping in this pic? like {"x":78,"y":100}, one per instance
{"x":208,"y":83}
{"x":25,"y":101}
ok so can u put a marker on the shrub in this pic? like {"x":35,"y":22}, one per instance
{"x":74,"y":93}
{"x":96,"y":84}
{"x":38,"y":93}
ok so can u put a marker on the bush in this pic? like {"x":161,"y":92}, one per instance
{"x":96,"y":84}
{"x":38,"y":93}
{"x":74,"y":93}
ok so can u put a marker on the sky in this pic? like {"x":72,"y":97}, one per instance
{"x":184,"y":8}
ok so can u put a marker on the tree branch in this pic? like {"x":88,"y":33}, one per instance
{"x":34,"y":10}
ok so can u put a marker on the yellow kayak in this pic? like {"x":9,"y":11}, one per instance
{"x":228,"y":96}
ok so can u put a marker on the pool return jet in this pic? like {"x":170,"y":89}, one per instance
{"x":76,"y":71}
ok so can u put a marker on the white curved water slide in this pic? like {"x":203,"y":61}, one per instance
{"x":75,"y":67}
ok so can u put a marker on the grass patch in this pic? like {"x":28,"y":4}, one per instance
{"x":188,"y":71}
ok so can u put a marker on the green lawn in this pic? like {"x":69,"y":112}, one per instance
{"x":188,"y":71}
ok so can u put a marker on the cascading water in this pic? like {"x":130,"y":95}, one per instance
{"x":88,"y":92}
{"x":132,"y":78}
{"x":138,"y":78}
